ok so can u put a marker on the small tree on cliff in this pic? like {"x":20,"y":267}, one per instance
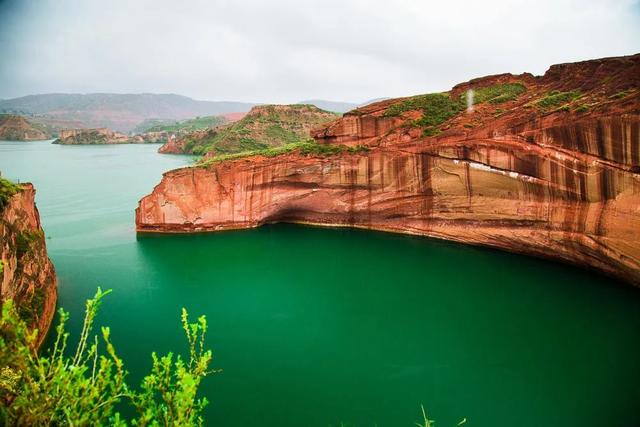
{"x":84,"y":389}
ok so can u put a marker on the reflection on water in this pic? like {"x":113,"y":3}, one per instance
{"x":316,"y":326}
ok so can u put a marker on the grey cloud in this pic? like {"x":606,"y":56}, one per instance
{"x":284,"y":51}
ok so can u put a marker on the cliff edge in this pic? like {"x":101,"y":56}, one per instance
{"x":27,"y":275}
{"x":264,"y":126}
{"x":542,"y":165}
{"x":17,"y":128}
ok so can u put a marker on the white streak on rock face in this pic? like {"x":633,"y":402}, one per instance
{"x":482,"y":166}
{"x":470,"y":100}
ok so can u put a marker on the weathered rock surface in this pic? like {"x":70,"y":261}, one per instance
{"x":552,"y":172}
{"x":104,"y":136}
{"x":28,"y":276}
{"x":265,"y":126}
{"x":17,"y":128}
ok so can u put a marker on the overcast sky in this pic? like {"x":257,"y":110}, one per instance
{"x":289,"y":50}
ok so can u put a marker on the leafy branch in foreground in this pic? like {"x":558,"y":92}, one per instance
{"x":86,"y":387}
{"x":430,"y":423}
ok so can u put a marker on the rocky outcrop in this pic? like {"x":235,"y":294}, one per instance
{"x":96,"y":136}
{"x":27,"y":274}
{"x":265,"y":126}
{"x":104,"y":136}
{"x":186,"y":143}
{"x":547,"y":166}
{"x":17,"y":128}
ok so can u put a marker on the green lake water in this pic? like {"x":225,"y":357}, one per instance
{"x":314,"y":327}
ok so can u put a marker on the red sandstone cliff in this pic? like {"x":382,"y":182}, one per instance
{"x":17,"y":128}
{"x":27,"y":275}
{"x":549,"y":169}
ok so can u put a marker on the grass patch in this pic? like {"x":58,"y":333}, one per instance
{"x":275,"y":131}
{"x":268,"y":126}
{"x":7,"y":189}
{"x":305,"y":148}
{"x":582,"y":108}
{"x":619,"y":95}
{"x":190,"y":125}
{"x":31,"y":310}
{"x":25,"y":239}
{"x":497,"y":94}
{"x":556,"y":98}
{"x":436,"y":108}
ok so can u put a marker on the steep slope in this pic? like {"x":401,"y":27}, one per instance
{"x":100,"y":136}
{"x":121,"y":112}
{"x":548,"y":166}
{"x":26,"y":273}
{"x":336,"y":106}
{"x":17,"y":128}
{"x":264,"y":126}
{"x":104,"y":136}
{"x":180,"y":127}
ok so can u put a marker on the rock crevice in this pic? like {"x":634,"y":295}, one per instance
{"x":27,"y":275}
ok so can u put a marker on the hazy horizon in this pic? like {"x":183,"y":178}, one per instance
{"x":286,"y":52}
{"x":194,"y":98}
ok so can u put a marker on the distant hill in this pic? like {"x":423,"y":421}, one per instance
{"x":264,"y":126}
{"x":338,"y":107}
{"x":17,"y":128}
{"x":182,"y":126}
{"x":121,"y":112}
{"x":335,"y":106}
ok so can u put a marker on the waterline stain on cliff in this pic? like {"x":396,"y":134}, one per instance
{"x":351,"y":325}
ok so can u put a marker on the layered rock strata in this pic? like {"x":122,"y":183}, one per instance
{"x":17,"y":128}
{"x":548,"y":167}
{"x":27,"y":275}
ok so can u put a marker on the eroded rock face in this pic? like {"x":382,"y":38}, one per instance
{"x":28,"y":276}
{"x":263,"y":127}
{"x":557,"y":182}
{"x":17,"y":128}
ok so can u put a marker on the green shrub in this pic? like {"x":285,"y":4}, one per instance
{"x":556,"y":98}
{"x":496,"y":94}
{"x":275,"y":131}
{"x":305,"y":148}
{"x":619,"y":95}
{"x":431,"y":131}
{"x":436,"y":108}
{"x":431,"y":423}
{"x":7,"y":189}
{"x":24,"y":239}
{"x":89,"y":386}
{"x":32,"y":307}
{"x":582,"y":108}
{"x":190,"y":125}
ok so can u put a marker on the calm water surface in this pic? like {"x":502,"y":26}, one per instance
{"x":314,"y":327}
